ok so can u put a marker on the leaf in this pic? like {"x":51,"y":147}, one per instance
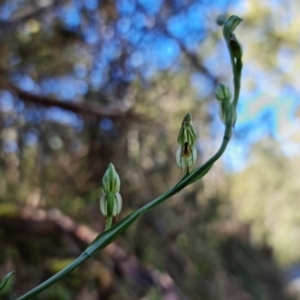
{"x":239,"y":65}
{"x":105,"y":238}
{"x":202,"y":174}
{"x":5,"y":280}
{"x":229,"y":26}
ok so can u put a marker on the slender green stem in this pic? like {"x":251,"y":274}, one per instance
{"x":108,"y":222}
{"x":227,"y":33}
{"x":111,"y":233}
{"x":189,"y":179}
{"x":236,"y":80}
{"x":236,"y":77}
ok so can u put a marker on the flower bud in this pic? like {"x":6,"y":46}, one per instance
{"x":187,"y":133}
{"x":111,"y":180}
{"x":116,"y":204}
{"x":227,"y":111}
{"x":223,"y":93}
{"x":228,"y":114}
{"x":186,"y":156}
{"x":231,"y":115}
{"x":111,"y":200}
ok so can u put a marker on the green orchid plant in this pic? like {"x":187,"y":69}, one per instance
{"x":186,"y":154}
{"x":111,"y":201}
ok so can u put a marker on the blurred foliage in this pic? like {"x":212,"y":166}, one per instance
{"x":266,"y":195}
{"x":142,"y":65}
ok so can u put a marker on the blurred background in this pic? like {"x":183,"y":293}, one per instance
{"x":86,"y":82}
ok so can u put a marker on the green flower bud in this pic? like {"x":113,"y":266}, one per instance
{"x":228,"y":114}
{"x":111,"y":200}
{"x":231,"y":115}
{"x":187,"y":133}
{"x":222,"y":113}
{"x":111,"y":204}
{"x":186,"y":157}
{"x":111,"y":180}
{"x":223,"y":93}
{"x":186,"y":154}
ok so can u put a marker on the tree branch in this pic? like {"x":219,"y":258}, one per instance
{"x":6,"y":27}
{"x":81,"y":109}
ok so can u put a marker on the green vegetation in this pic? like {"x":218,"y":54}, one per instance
{"x":76,"y":96}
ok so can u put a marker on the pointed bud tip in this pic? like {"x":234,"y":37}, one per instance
{"x":229,"y":26}
{"x":187,"y":118}
{"x":187,"y":133}
{"x":111,"y":165}
{"x":111,"y":180}
{"x":222,"y":93}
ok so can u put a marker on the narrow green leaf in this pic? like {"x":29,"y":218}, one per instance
{"x":108,"y":236}
{"x":229,"y":26}
{"x":235,"y":47}
{"x":5,"y":280}
{"x":202,"y":174}
{"x":239,"y":66}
